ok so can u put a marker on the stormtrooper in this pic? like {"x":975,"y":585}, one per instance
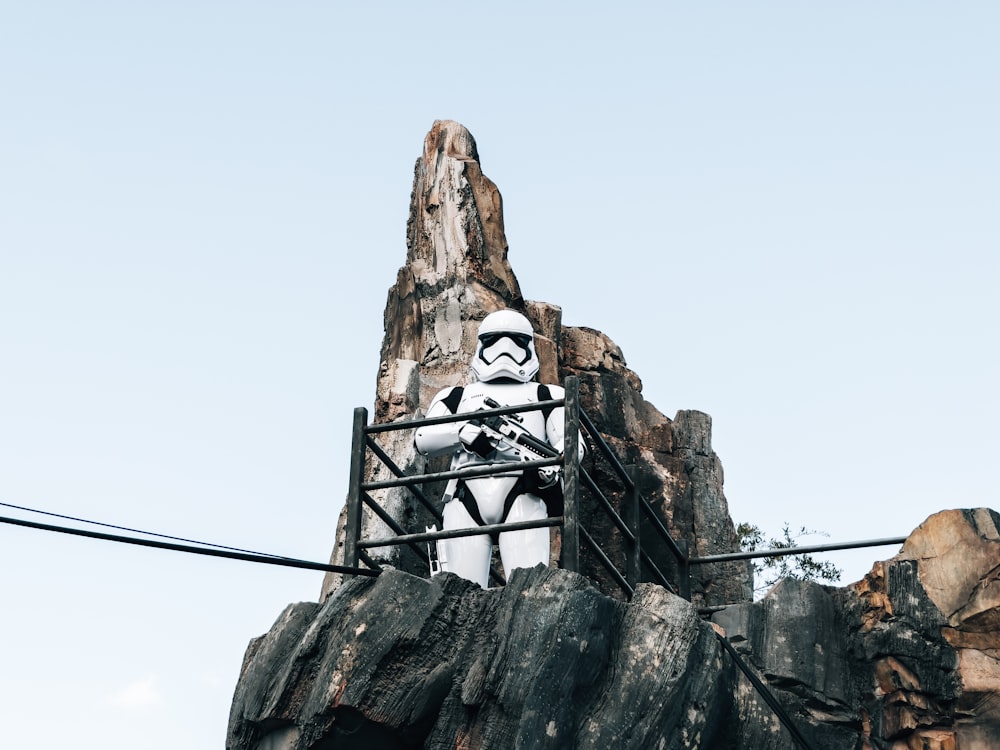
{"x":504,"y":366}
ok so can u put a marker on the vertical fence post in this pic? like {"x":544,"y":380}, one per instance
{"x":684,"y":570}
{"x":631,"y":508}
{"x":352,"y":534}
{"x":570,"y":557}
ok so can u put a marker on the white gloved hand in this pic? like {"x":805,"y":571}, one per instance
{"x":548,"y":476}
{"x":476,"y":440}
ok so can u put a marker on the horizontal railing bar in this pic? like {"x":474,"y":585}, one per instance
{"x":462,"y":416}
{"x":786,"y":551}
{"x":510,"y":468}
{"x":430,"y":536}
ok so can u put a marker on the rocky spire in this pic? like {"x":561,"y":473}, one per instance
{"x":456,"y":272}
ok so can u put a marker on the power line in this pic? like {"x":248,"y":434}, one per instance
{"x":137,"y":531}
{"x":210,"y":551}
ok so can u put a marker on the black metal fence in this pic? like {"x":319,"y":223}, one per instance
{"x":634,"y":505}
{"x":574,"y":478}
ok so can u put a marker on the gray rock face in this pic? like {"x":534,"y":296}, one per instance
{"x":548,"y":661}
{"x":545,"y":662}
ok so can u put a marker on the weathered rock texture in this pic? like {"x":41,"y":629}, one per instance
{"x":456,"y":273}
{"x":548,"y":661}
{"x":545,"y":662}
{"x":907,"y":658}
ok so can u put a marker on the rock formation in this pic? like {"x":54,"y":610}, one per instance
{"x":550,"y":662}
{"x":457,"y":272}
{"x":905,"y":658}
{"x":546,"y":661}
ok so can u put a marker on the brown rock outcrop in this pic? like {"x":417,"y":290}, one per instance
{"x":906,"y":657}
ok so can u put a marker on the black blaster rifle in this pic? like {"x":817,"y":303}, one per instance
{"x":497,"y":429}
{"x":507,"y":428}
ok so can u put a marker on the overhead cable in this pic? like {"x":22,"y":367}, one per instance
{"x":211,"y":552}
{"x":136,"y":531}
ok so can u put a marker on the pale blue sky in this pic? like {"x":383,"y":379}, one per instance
{"x":784,"y":213}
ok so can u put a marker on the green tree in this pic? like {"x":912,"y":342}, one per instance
{"x":769,"y":570}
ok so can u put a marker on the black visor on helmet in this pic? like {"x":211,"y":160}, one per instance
{"x":489,"y":339}
{"x":517,"y":347}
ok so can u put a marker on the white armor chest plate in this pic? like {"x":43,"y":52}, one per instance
{"x":491,"y":492}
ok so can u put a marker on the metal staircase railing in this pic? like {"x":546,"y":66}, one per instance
{"x":575,"y":477}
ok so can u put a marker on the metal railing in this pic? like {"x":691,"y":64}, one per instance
{"x":574,"y":477}
{"x":355,"y":549}
{"x":786,"y":551}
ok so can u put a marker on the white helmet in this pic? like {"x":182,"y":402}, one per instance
{"x":506,"y":348}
